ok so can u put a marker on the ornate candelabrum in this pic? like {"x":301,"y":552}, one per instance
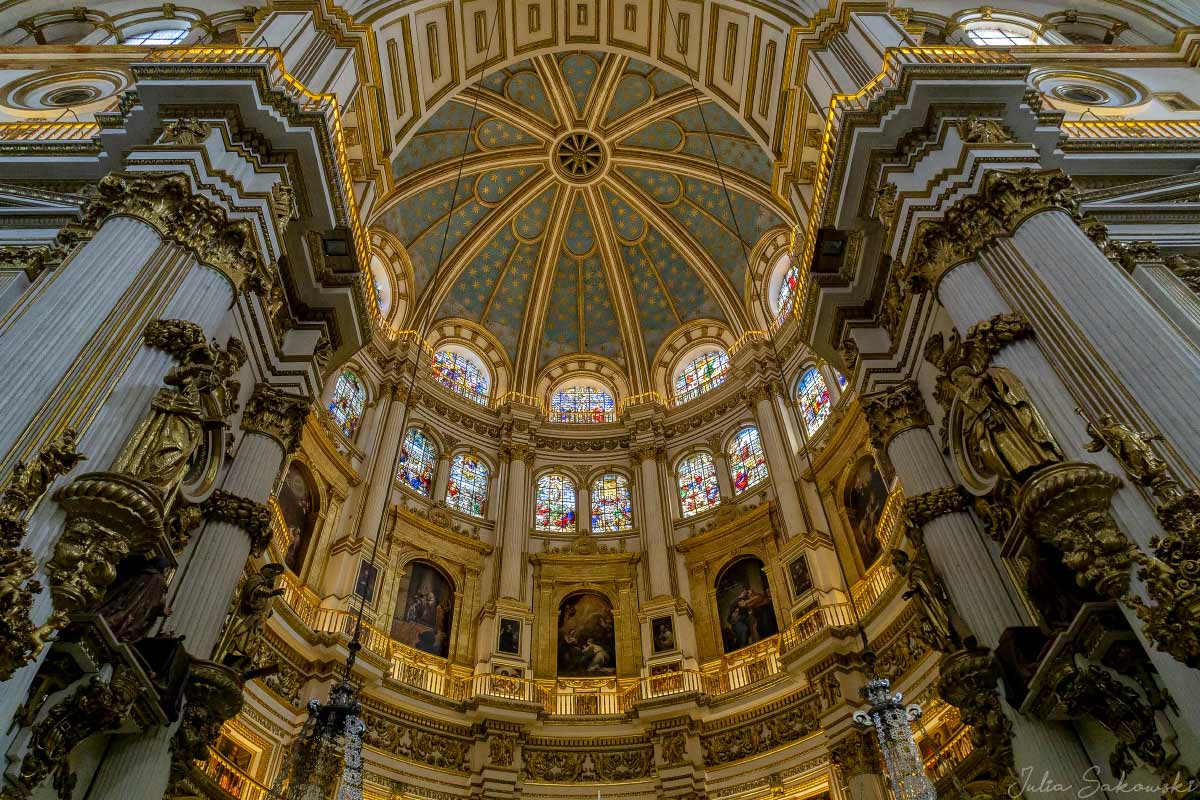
{"x":331,"y":738}
{"x":890,"y":718}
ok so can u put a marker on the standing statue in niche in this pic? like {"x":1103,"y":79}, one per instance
{"x":136,"y":602}
{"x":250,"y":615}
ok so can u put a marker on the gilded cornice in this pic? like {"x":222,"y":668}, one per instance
{"x":893,"y":411}
{"x":276,"y":414}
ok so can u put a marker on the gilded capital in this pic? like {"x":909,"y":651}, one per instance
{"x":647,"y":452}
{"x":276,"y":414}
{"x":253,"y":518}
{"x":516,"y":451}
{"x":31,"y":260}
{"x":894,"y":411}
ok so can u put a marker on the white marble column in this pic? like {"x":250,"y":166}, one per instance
{"x":969,"y":296}
{"x":13,"y":284}
{"x":655,"y":532}
{"x":1172,"y":296}
{"x":516,"y":521}
{"x":381,"y":480}
{"x":867,"y":786}
{"x":137,"y":767}
{"x":583,"y":508}
{"x":721,"y":465}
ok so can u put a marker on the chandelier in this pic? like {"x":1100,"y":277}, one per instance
{"x":890,"y":718}
{"x":330,"y":739}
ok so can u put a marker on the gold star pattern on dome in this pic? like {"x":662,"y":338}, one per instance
{"x":598,"y":240}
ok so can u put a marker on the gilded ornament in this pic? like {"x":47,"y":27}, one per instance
{"x":848,"y":350}
{"x":502,"y":750}
{"x":253,"y":518}
{"x":242,"y":644}
{"x":979,"y":130}
{"x":967,"y":680}
{"x":283,"y":203}
{"x":886,"y":205}
{"x":923,"y":508}
{"x":1129,"y":254}
{"x":94,"y":707}
{"x":893,"y":411}
{"x":33,"y":261}
{"x":276,"y":414}
{"x":924,"y":583}
{"x":185,"y":131}
{"x":1094,"y":692}
{"x":673,"y":747}
{"x":214,"y":695}
{"x":1132,"y":450}
{"x":20,"y":639}
{"x":174,"y":336}
{"x":856,"y":755}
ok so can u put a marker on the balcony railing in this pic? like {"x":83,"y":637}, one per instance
{"x":48,"y":131}
{"x":950,"y":755}
{"x":1132,"y":129}
{"x":503,"y":688}
{"x":809,"y":626}
{"x":872,"y":586}
{"x":664,"y":686}
{"x":230,"y":778}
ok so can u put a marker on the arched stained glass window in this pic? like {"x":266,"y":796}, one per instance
{"x":612,"y":505}
{"x":706,"y":371}
{"x":346,"y":405}
{"x":747,"y":464}
{"x":698,"y":489}
{"x":461,"y":375}
{"x":418,"y":455}
{"x":555,"y":503}
{"x":157,"y":38}
{"x":468,"y":486}
{"x":582,"y":404}
{"x":786,"y":295}
{"x":814,"y":399}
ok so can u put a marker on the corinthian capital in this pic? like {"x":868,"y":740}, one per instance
{"x":276,"y":414}
{"x":251,"y":517}
{"x":894,"y":411}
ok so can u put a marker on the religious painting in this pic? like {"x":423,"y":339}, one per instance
{"x":298,"y":503}
{"x":364,"y":587}
{"x":510,"y":636}
{"x":662,"y":630}
{"x":802,"y":582}
{"x":744,"y":605}
{"x":866,"y":496}
{"x":425,"y":611}
{"x":587,"y":641}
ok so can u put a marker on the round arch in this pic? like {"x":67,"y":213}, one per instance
{"x":691,"y":338}
{"x":476,"y":340}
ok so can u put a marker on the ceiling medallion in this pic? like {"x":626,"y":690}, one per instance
{"x":579,"y":156}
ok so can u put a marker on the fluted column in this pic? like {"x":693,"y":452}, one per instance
{"x":516,"y":519}
{"x":583,"y":508}
{"x":138,"y":767}
{"x":655,"y":533}
{"x":899,"y":425}
{"x":1170,"y":294}
{"x":379,"y":482}
{"x":441,"y":477}
{"x":721,"y":465}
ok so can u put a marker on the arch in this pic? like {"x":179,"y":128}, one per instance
{"x":761,"y":277}
{"x":581,"y":399}
{"x":467,"y":335}
{"x":467,"y":488}
{"x":864,"y":497}
{"x":398,"y":270}
{"x":696,"y":478}
{"x":418,"y":460}
{"x":163,"y":36}
{"x":564,"y":369}
{"x":745,"y":608}
{"x":463,"y":372}
{"x":347,"y":402}
{"x":587,"y":640}
{"x":812,"y":394}
{"x":299,"y":503}
{"x":612,"y":503}
{"x":698,"y":372}
{"x":424,"y":612}
{"x":555,"y":502}
{"x":688,"y":339}
{"x":747,"y":461}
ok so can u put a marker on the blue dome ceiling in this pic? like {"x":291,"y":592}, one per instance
{"x":589,"y":216}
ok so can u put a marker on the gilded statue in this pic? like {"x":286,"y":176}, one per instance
{"x":977,"y":130}
{"x":251,"y":613}
{"x":997,"y":425}
{"x":161,"y":448}
{"x":1132,"y":449}
{"x":886,"y":204}
{"x":924,"y":583}
{"x":30,"y":481}
{"x":136,"y":601}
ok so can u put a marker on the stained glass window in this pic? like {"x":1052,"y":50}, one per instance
{"x":162,"y":36}
{"x":698,"y":489}
{"x":841,"y":379}
{"x":380,"y":301}
{"x":346,"y":405}
{"x":747,"y":464}
{"x":705,"y":372}
{"x":555,"y":503}
{"x":814,"y":399}
{"x":468,"y":486}
{"x":461,"y":375}
{"x":787,"y":292}
{"x":417,"y":459}
{"x":582,"y":404}
{"x":612,"y":506}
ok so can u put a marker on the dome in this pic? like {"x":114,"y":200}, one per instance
{"x":571,"y":204}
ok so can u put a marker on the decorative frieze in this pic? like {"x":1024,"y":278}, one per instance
{"x":568,"y":765}
{"x":856,"y":755}
{"x":795,"y":721}
{"x":417,"y":744}
{"x":893,"y":411}
{"x":276,"y":414}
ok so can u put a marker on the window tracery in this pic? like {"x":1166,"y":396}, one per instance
{"x":702,"y":374}
{"x":747,"y":463}
{"x":612,"y":504}
{"x":555,"y":503}
{"x":347,"y":403}
{"x":582,"y":404}
{"x":461,"y":375}
{"x":814,"y":399}
{"x":468,"y":486}
{"x":418,"y":456}
{"x":698,"y":488}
